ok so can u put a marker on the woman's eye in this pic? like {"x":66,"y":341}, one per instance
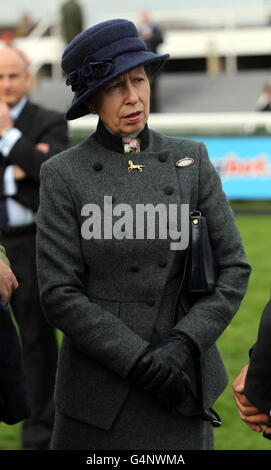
{"x":114,"y":86}
{"x":140,"y":80}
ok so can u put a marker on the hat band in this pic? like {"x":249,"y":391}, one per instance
{"x":88,"y":74}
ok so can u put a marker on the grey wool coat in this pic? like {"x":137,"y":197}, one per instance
{"x":109,"y":296}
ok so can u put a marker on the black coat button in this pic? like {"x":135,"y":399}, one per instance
{"x":162,"y":262}
{"x":168,"y":190}
{"x":98,"y":166}
{"x":134,"y":268}
{"x":150,"y":301}
{"x":162,"y":158}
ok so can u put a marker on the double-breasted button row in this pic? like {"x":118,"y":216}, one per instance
{"x":98,"y":165}
{"x":168,"y":190}
{"x":161,"y":262}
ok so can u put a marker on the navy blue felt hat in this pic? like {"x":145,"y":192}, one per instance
{"x":100,"y":54}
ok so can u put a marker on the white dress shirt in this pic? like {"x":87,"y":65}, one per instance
{"x":17,"y":214}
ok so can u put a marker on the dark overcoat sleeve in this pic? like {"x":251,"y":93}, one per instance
{"x":14,"y":399}
{"x":258,"y":378}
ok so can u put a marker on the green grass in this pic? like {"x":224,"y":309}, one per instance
{"x":233,"y":344}
{"x":241,"y":334}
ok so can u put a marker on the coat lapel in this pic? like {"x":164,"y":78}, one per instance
{"x":25,"y":117}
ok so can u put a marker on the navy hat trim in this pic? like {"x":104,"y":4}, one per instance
{"x":91,"y":72}
{"x":101,"y":54}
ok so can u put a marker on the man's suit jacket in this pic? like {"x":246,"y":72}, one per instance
{"x":14,"y":401}
{"x":106,"y":295}
{"x":37,"y":125}
{"x":258,"y":379}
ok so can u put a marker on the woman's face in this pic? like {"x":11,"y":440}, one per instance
{"x":123,"y":104}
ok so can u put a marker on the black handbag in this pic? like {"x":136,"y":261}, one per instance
{"x":201,"y":270}
{"x":199,"y":276}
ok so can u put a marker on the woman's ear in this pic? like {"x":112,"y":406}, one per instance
{"x":91,"y":107}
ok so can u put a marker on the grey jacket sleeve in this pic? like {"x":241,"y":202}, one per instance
{"x":94,"y":331}
{"x":211,"y":314}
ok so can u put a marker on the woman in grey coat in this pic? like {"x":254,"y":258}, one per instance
{"x":109,"y":281}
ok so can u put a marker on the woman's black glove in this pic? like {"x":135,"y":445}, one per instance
{"x":162,"y":369}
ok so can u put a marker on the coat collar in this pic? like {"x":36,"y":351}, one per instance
{"x":113,"y":142}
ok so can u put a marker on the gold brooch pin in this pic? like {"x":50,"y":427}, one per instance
{"x":134,"y":167}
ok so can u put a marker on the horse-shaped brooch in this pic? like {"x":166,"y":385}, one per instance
{"x":132,"y":166}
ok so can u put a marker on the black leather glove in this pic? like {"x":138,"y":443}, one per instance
{"x":161,"y":369}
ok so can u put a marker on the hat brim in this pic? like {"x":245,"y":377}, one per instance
{"x":122,"y":64}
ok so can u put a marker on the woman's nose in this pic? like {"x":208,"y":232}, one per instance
{"x":131,"y":95}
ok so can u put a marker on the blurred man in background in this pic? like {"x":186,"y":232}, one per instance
{"x":153,"y":37}
{"x":24,"y":27}
{"x":264,"y":101}
{"x":29,"y":135}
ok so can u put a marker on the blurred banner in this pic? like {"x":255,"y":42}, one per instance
{"x":244,"y":165}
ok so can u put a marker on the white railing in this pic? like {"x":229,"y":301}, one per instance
{"x":245,"y":123}
{"x":202,"y":43}
{"x":43,"y":51}
{"x":226,"y":17}
{"x":40,"y":29}
{"x":179,"y":44}
{"x":224,"y":38}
